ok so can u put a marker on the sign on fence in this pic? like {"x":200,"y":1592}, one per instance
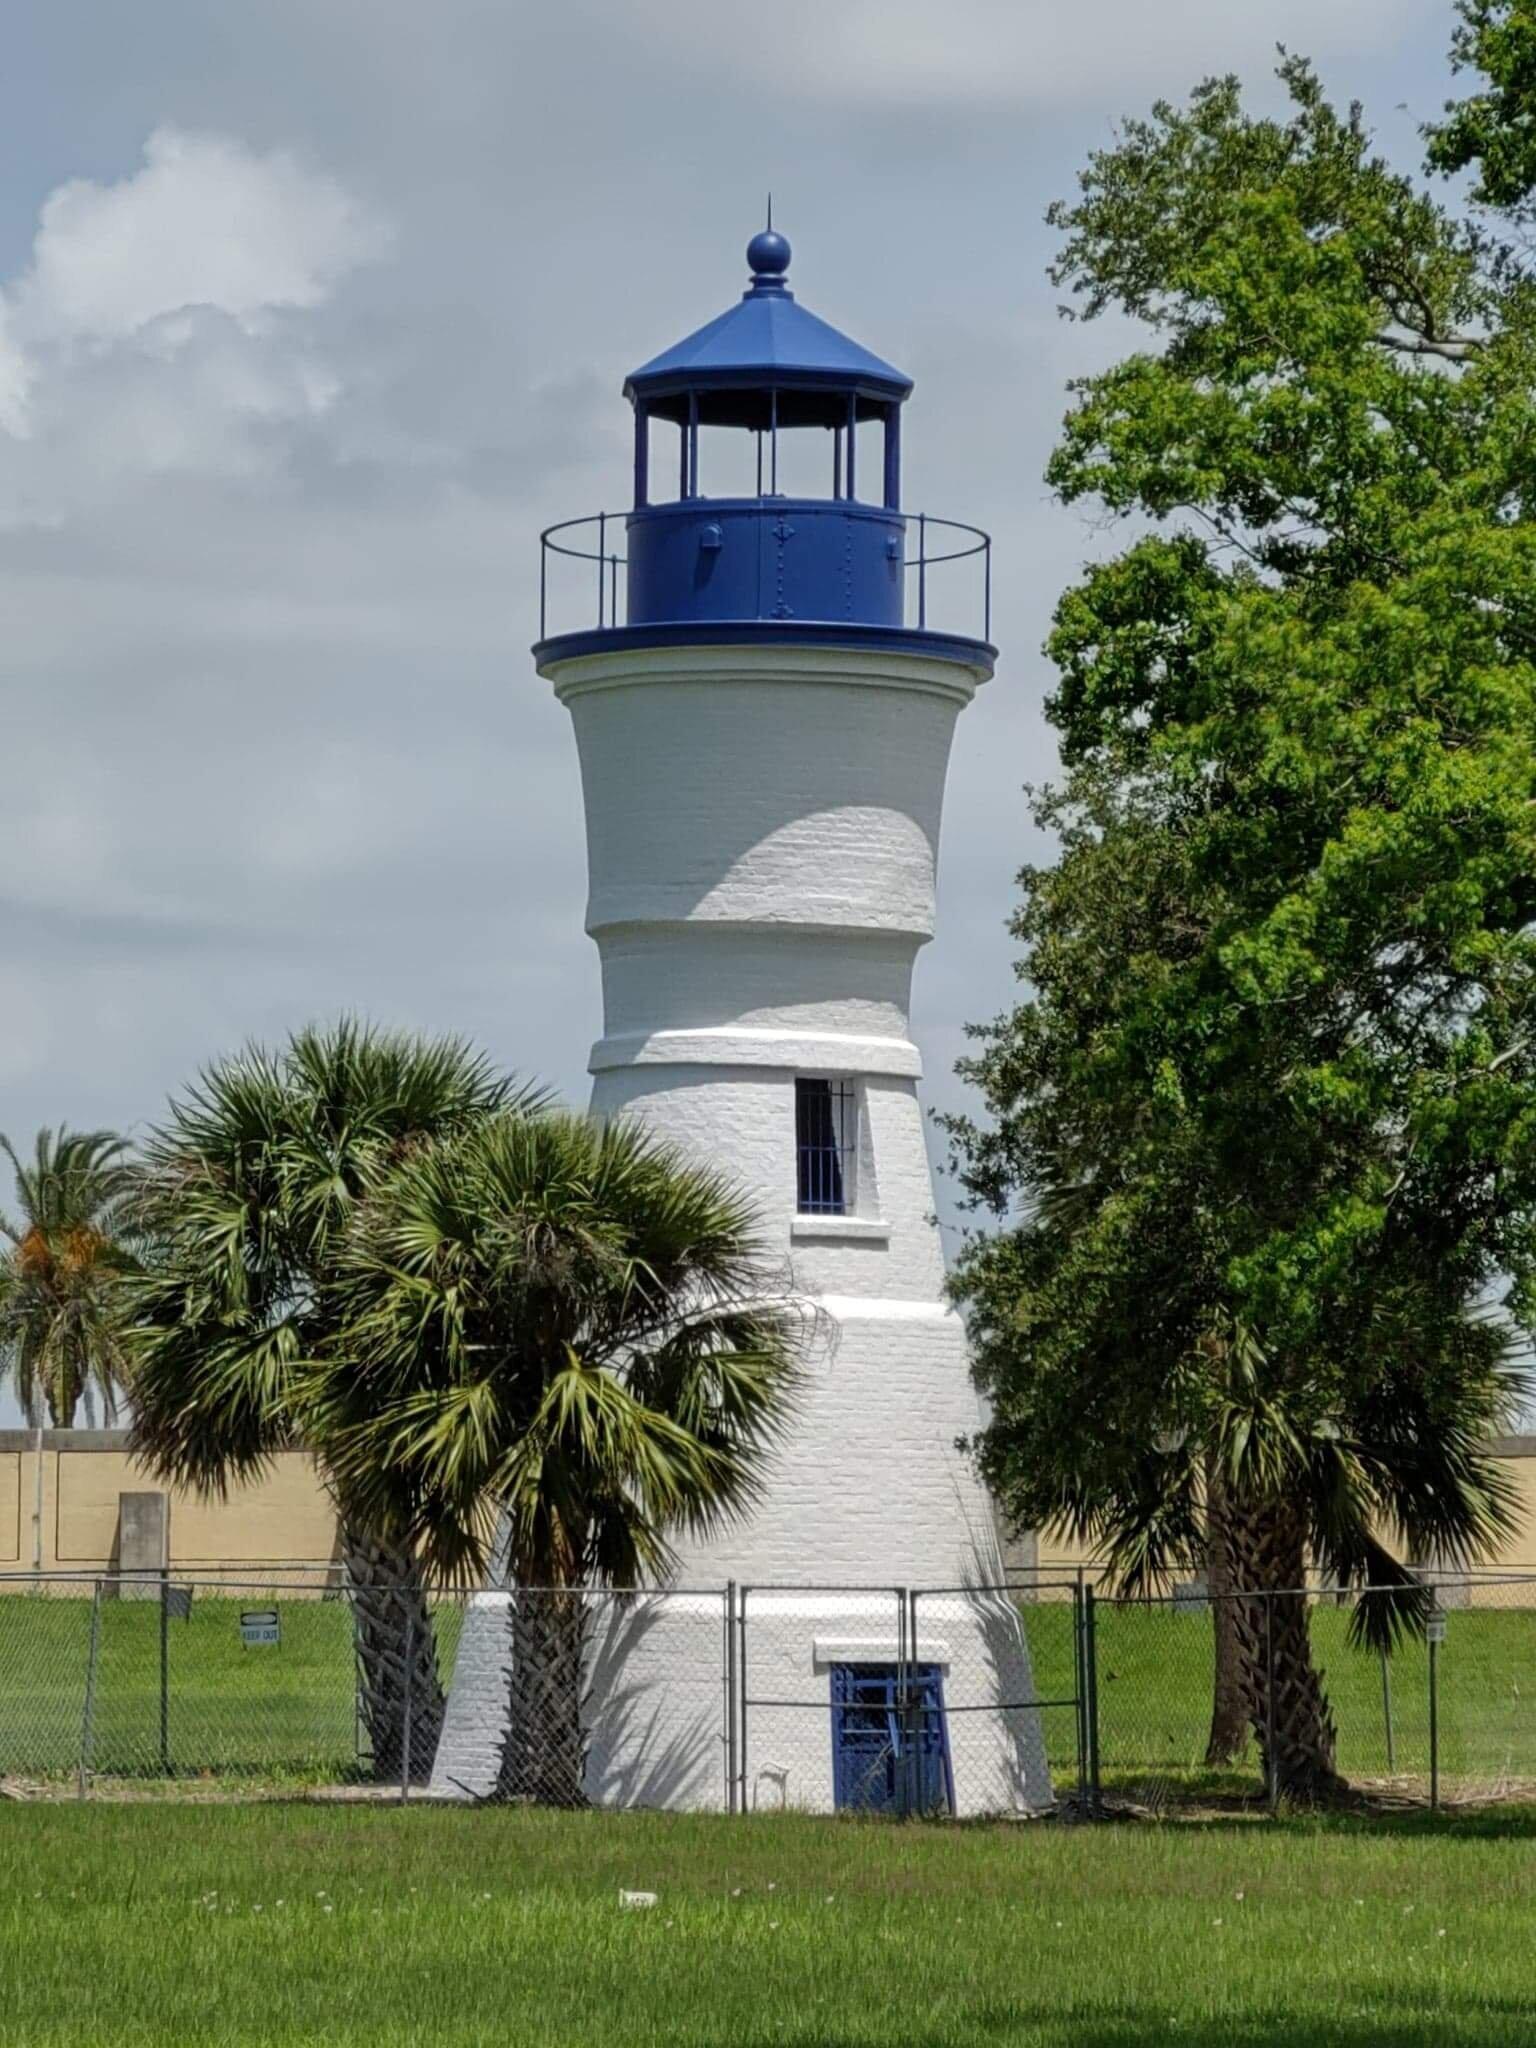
{"x":1434,"y":1631}
{"x":259,"y":1625}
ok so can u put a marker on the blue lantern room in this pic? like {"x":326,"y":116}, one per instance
{"x":767,"y":502}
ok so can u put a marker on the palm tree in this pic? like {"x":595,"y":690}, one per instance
{"x":564,"y":1342}
{"x":249,"y":1193}
{"x":1363,"y":1476}
{"x":61,"y":1297}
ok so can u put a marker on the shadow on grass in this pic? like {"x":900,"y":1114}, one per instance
{"x":1452,"y":2022}
{"x":1364,"y":1817}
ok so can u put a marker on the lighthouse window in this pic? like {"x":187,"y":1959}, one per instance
{"x":826,"y":1145}
{"x":890,"y":1747}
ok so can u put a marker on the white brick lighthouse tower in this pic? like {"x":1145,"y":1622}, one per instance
{"x":764,"y":715}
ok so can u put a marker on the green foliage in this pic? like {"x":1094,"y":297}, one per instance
{"x":466,"y":1304}
{"x":1264,"y":1121}
{"x":1494,"y":129}
{"x":560,"y":1323}
{"x":62,"y":1302}
{"x":250,"y":1190}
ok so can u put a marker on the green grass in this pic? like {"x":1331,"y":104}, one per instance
{"x":285,"y":1713}
{"x":1154,"y":1667}
{"x":423,"y":1928}
{"x":288,"y":1715}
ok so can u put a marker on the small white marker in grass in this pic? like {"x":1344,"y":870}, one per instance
{"x":632,"y":1899}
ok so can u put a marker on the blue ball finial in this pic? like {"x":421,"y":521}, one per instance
{"x":768,"y":254}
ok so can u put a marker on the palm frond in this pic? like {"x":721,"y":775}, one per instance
{"x":563,"y":1324}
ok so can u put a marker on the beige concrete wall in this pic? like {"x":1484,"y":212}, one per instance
{"x":69,"y":1523}
{"x":59,"y":1492}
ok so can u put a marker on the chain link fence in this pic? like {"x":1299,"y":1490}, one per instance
{"x":1450,"y":1719}
{"x":1035,"y":1693}
{"x":138,"y":1677}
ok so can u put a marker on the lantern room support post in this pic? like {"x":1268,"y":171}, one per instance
{"x":642,"y":454}
{"x":893,"y":458}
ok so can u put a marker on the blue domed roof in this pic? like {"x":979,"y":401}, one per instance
{"x":767,"y":342}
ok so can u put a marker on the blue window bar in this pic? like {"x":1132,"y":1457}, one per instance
{"x":882,"y":1759}
{"x":825,"y":1138}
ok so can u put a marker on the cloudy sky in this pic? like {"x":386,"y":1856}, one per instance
{"x":312,"y":313}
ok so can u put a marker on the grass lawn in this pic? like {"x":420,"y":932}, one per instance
{"x":425,"y":1928}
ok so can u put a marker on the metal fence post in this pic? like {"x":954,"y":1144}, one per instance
{"x":1434,"y":1723}
{"x":1080,"y":1688}
{"x":730,"y":1696}
{"x":1091,"y":1673}
{"x":405,"y":1732}
{"x":1271,"y":1773}
{"x":165,"y":1671}
{"x":88,"y":1717}
{"x":362,"y":1731}
{"x":916,"y":1729}
{"x":741,"y":1681}
{"x":1386,"y":1712}
{"x":902,"y":1759}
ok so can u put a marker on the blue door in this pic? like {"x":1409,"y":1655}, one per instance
{"x":870,"y":1768}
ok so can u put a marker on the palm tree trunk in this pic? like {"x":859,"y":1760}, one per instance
{"x":1229,"y":1713}
{"x":390,"y":1609}
{"x":1282,"y":1687}
{"x":544,"y":1747}
{"x":63,"y":1390}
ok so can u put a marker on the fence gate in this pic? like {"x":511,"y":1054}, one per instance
{"x":999,"y":1699}
{"x":821,"y":1680}
{"x":890,"y":1700}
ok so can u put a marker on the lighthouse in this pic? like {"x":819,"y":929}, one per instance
{"x":764,"y":693}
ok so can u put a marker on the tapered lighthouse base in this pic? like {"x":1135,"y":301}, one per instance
{"x":901,"y":1680}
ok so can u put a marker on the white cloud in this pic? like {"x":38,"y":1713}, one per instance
{"x":206,"y":222}
{"x":1017,"y":53}
{"x":170,"y":325}
{"x":157,"y":314}
{"x":15,"y":377}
